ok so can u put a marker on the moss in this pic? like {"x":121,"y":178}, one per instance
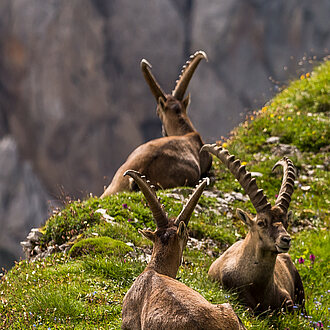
{"x":99,"y":245}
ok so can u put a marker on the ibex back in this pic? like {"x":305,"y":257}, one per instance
{"x":156,"y":300}
{"x":173,"y":160}
{"x":258,"y":267}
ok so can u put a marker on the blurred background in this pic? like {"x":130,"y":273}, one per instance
{"x":74,"y":104}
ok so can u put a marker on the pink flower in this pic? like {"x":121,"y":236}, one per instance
{"x":125,"y":206}
{"x":312,"y":257}
{"x":301,"y":260}
{"x":129,"y":220}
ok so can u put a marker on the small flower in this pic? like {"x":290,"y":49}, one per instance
{"x":272,"y":115}
{"x":301,"y":260}
{"x":264,"y":109}
{"x":276,"y":195}
{"x":302,"y":77}
{"x":289,"y":118}
{"x":312,"y":257}
{"x":244,"y":163}
{"x":252,"y":117}
{"x":224,"y":145}
{"x":125,"y":206}
{"x":129,"y":220}
{"x":308,"y":75}
{"x":319,"y":324}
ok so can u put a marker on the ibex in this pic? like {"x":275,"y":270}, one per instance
{"x":258,"y":267}
{"x":173,"y":160}
{"x":156,"y":299}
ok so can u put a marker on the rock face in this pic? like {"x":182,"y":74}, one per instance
{"x":23,"y":202}
{"x":72,"y":95}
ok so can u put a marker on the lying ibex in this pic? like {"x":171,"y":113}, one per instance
{"x":258,"y":267}
{"x":156,"y":299}
{"x":173,"y":160}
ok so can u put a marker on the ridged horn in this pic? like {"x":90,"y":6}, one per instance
{"x":289,"y":175}
{"x":257,"y":197}
{"x":187,"y":72}
{"x":156,"y":207}
{"x":188,"y":209}
{"x":151,"y":81}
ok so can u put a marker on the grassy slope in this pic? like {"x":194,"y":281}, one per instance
{"x":87,"y":291}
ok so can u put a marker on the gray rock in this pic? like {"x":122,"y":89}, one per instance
{"x":34,"y":235}
{"x":273,"y":140}
{"x":23,"y":201}
{"x":285,"y":150}
{"x":256,"y":174}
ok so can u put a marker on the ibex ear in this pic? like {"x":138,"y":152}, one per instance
{"x":186,"y":102}
{"x":244,"y":217}
{"x":161,"y":103}
{"x":181,"y":230}
{"x":147,"y":234}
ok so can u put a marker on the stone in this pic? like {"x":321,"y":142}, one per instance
{"x":24,"y":202}
{"x":273,"y":140}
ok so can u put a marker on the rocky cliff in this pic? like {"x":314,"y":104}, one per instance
{"x":72,"y":95}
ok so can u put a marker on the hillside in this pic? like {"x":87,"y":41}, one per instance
{"x":83,"y":289}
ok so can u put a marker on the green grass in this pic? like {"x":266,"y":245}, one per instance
{"x":86,"y":292}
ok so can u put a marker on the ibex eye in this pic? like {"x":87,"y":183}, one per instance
{"x":260,"y":223}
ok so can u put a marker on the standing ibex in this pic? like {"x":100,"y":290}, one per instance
{"x":258,"y":267}
{"x":156,"y":300}
{"x":173,"y":160}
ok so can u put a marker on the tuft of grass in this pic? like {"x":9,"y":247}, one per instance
{"x":99,"y":245}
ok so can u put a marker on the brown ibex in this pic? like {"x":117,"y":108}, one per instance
{"x":156,"y":299}
{"x":173,"y":160}
{"x":258,"y":267}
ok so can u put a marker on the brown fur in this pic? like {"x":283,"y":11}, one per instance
{"x":258,"y":267}
{"x":158,"y":301}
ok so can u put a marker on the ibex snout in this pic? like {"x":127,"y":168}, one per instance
{"x":284,"y":243}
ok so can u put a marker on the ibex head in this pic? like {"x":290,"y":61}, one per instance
{"x":172,"y":109}
{"x":171,"y":235}
{"x":270,"y":223}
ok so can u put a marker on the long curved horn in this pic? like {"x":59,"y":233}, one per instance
{"x":188,"y":209}
{"x":151,"y":81}
{"x":155,"y":206}
{"x":289,"y":175}
{"x":257,"y":197}
{"x":186,"y":74}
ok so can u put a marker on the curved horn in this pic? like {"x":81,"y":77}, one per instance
{"x":257,"y":197}
{"x":289,"y":175}
{"x":151,"y":81}
{"x":188,"y":209}
{"x":186,"y":74}
{"x":155,"y":206}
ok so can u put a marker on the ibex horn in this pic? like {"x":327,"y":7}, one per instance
{"x":258,"y":199}
{"x":188,"y":209}
{"x":289,"y":175}
{"x":186,"y":74}
{"x":151,"y":81}
{"x":155,"y":206}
